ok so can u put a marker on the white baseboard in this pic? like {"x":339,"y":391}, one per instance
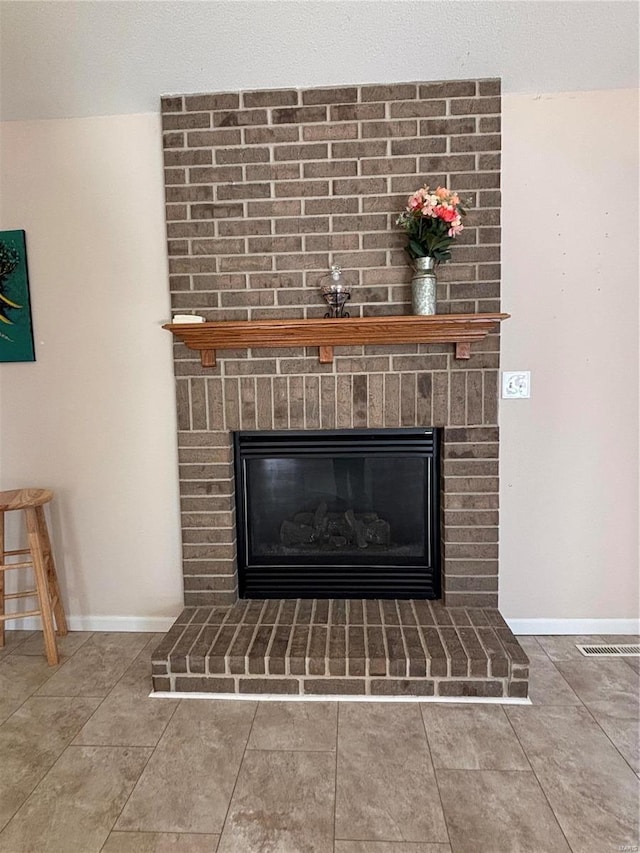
{"x":160,"y":624}
{"x":294,"y":697}
{"x":573,"y":626}
{"x":142,"y":624}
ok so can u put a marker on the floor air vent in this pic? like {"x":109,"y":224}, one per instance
{"x":609,"y":651}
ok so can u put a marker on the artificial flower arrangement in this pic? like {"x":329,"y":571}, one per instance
{"x":432,"y":221}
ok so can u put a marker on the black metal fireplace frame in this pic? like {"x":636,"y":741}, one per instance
{"x":258,"y":580}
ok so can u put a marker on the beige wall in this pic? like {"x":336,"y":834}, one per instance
{"x":94,"y":417}
{"x":569,"y":457}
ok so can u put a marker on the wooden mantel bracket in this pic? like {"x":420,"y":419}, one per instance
{"x":459,"y":329}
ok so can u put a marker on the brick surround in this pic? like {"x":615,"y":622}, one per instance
{"x":265,"y":190}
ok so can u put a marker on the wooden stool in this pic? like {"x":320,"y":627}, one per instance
{"x":47,"y":591}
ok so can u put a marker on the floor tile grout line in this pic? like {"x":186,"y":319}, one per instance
{"x":335,"y":777}
{"x":103,"y":699}
{"x":290,"y":749}
{"x":144,"y":767}
{"x":435,"y":776}
{"x":153,"y":749}
{"x":584,"y":705}
{"x":70,"y":658}
{"x":15,"y":711}
{"x":33,"y":692}
{"x":72,"y":741}
{"x":595,"y":720}
{"x":151,"y":754}
{"x":16,"y":651}
{"x":233,"y":790}
{"x":540,"y":785}
{"x":21,"y":643}
{"x":50,"y":769}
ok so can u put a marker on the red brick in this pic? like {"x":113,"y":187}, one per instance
{"x":330,"y":96}
{"x":243,"y":190}
{"x":479,"y":142}
{"x":270,"y":98}
{"x":304,"y":225}
{"x":206,"y":138}
{"x":217,"y":247}
{"x":215,"y":211}
{"x":273,"y":172}
{"x":238,"y":118}
{"x":301,"y":152}
{"x":301,"y":188}
{"x":172,"y":104}
{"x":388,"y":166}
{"x":270,"y":135}
{"x":417,"y":109}
{"x":448,"y":89}
{"x":489,"y":124}
{"x":298,"y":115}
{"x":274,"y":208}
{"x":175,"y":176}
{"x":242,"y":155}
{"x":218,"y":101}
{"x":313,"y":206}
{"x":331,"y":132}
{"x":489,"y":87}
{"x":475,"y":106}
{"x":386,"y":129}
{"x":356,"y":112}
{"x":331,"y":169}
{"x":196,"y":157}
{"x":307,"y":260}
{"x":447,"y":163}
{"x":173,"y":140}
{"x":364,"y":222}
{"x":244,"y":227}
{"x":215,"y":174}
{"x":198,"y":193}
{"x":357,"y":186}
{"x":397,"y":92}
{"x":424,"y":145}
{"x":185,"y":121}
{"x":361,"y":148}
{"x":275,"y":244}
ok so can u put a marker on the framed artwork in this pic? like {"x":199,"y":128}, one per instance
{"x":16,"y":332}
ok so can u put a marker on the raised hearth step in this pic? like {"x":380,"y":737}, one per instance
{"x":341,"y":647}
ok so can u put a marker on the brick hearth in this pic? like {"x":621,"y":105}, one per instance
{"x":338,"y":647}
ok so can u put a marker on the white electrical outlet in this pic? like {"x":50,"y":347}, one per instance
{"x":516,"y":384}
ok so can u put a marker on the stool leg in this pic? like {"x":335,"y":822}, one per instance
{"x":2,"y":559}
{"x":52,"y":577}
{"x":35,"y":546}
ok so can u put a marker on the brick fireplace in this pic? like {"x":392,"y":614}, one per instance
{"x":265,"y":190}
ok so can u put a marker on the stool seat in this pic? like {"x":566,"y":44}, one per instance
{"x":21,"y":498}
{"x":40,"y":560}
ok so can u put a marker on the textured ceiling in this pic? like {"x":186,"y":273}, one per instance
{"x":101,"y":58}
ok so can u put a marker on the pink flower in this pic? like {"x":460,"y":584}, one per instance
{"x":442,"y":193}
{"x":447,"y":214}
{"x":417,"y":199}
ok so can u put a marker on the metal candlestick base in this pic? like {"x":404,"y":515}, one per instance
{"x":336,"y":296}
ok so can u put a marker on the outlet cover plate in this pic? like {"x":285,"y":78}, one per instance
{"x":516,"y":384}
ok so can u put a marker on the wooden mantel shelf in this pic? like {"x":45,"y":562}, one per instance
{"x":460,"y":329}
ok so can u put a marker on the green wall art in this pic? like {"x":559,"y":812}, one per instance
{"x":16,"y":332}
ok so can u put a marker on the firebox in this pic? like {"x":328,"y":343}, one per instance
{"x":338,"y":513}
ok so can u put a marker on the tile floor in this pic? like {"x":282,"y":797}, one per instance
{"x":89,"y":763}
